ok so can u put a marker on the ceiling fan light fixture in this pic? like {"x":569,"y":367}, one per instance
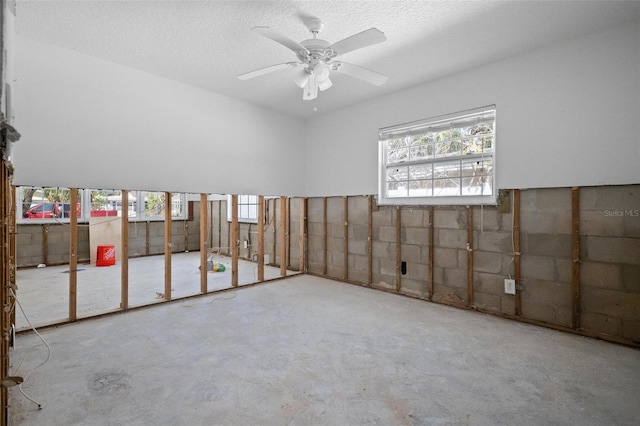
{"x":301,"y":79}
{"x":324,"y":84}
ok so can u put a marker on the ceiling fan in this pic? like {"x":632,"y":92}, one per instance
{"x":318,"y":56}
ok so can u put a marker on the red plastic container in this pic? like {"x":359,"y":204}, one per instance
{"x":106,"y":256}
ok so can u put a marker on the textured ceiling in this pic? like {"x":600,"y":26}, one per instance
{"x":208,"y":43}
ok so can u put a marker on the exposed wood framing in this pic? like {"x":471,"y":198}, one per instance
{"x":210,"y":217}
{"x":260,"y":238}
{"x":370,"y":242}
{"x":345,"y":237}
{"x":6,"y":288}
{"x":13,"y":231}
{"x":186,"y":233}
{"x":124,"y":251}
{"x":398,"y":248}
{"x":219,"y":224}
{"x":288,"y":231}
{"x":45,"y":243}
{"x":203,"y":242}
{"x":73,"y":255}
{"x":147,"y":237}
{"x":283,"y":236}
{"x":516,"y":249}
{"x":324,"y":235}
{"x":575,"y":256}
{"x":274,"y":221}
{"x":235,"y":240}
{"x":167,"y":245}
{"x":470,"y":301}
{"x":430,"y":272}
{"x":303,"y":235}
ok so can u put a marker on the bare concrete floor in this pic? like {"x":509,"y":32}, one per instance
{"x":307,"y":350}
{"x":44,"y":292}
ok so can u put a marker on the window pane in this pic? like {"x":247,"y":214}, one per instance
{"x":398,"y":155}
{"x":397,"y":174}
{"x":244,"y":211}
{"x":421,"y":188}
{"x":420,"y":171}
{"x":419,"y":152}
{"x":176,"y":205}
{"x":396,"y":189}
{"x":446,"y":187}
{"x":253,"y":211}
{"x":479,"y":185}
{"x":442,"y":170}
{"x":154,"y":204}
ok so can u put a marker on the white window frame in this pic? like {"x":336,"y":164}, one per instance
{"x":244,"y":214}
{"x":84,"y":199}
{"x":431,"y":126}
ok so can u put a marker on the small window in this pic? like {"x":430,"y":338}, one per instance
{"x":444,"y":160}
{"x":247,"y":208}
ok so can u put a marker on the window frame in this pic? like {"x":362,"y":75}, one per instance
{"x":430,"y":126}
{"x":84,"y":199}
{"x":241,"y":199}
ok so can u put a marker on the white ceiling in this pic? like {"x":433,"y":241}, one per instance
{"x":208,"y":43}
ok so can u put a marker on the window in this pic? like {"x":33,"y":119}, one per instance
{"x":247,"y":208}
{"x":445,"y":160}
{"x":52,"y":205}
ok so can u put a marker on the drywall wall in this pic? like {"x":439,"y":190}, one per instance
{"x":90,"y":123}
{"x":567,"y":115}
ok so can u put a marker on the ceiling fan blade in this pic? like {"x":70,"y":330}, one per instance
{"x":279,"y":38}
{"x":310,"y":90}
{"x":360,"y":72}
{"x":266,"y":70}
{"x":358,"y":41}
{"x":324,"y":84}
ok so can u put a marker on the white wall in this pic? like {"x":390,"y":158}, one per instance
{"x":90,"y":123}
{"x":567,"y":115}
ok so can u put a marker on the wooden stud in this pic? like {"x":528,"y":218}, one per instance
{"x":210,"y":218}
{"x":73,"y":255}
{"x":430,"y":278}
{"x":398,"y":248}
{"x":260,"y":238}
{"x":283,"y":236}
{"x":220,"y":225}
{"x":203,"y":242}
{"x":288,"y":231}
{"x":575,"y":257}
{"x":345,"y":237}
{"x":470,"y":301}
{"x":370,"y":242}
{"x":235,"y":240}
{"x":124,"y":251}
{"x":516,"y":249}
{"x":303,"y":234}
{"x":324,"y":235}
{"x":167,"y":245}
{"x":274,"y":221}
{"x":45,"y":243}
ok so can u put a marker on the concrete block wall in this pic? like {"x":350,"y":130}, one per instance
{"x":609,"y":285}
{"x":31,"y":251}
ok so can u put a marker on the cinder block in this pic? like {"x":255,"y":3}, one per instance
{"x":335,"y":209}
{"x":564,"y":270}
{"x":631,"y":278}
{"x":388,"y":267}
{"x":24,"y":239}
{"x":385,"y":233}
{"x":537,"y":267}
{"x":487,"y":262}
{"x":451,"y":219}
{"x":358,"y":247}
{"x":486,"y":219}
{"x":359,"y":210}
{"x":358,"y":276}
{"x":601,"y":323}
{"x":455,"y":278}
{"x":546,"y":199}
{"x":495,"y":242}
{"x":539,"y":311}
{"x":549,"y":245}
{"x":601,"y":275}
{"x":611,"y":198}
{"x":416,"y":271}
{"x":488,"y":283}
{"x":335,"y":259}
{"x":418,"y":236}
{"x":413,"y":218}
{"x":335,"y":230}
{"x":508,"y":304}
{"x":358,"y":263}
{"x":314,"y":242}
{"x":335,"y":272}
{"x":631,"y":329}
{"x":632,"y":225}
{"x":335,"y":245}
{"x":382,"y":217}
{"x":315,"y":210}
{"x":487,"y":301}
{"x":413,"y":287}
{"x":445,"y":258}
{"x":613,"y":303}
{"x":595,"y":222}
{"x":538,"y":221}
{"x":383,"y":250}
{"x":410,"y":253}
{"x":452,"y":238}
{"x":358,"y":232}
{"x":613,"y":250}
{"x":547,"y":292}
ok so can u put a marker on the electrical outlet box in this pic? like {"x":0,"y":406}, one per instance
{"x":245,"y":244}
{"x":510,"y":286}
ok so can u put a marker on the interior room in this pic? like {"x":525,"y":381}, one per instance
{"x":209,"y":217}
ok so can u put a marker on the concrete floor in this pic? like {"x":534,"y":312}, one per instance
{"x":44,"y":292}
{"x":307,"y":350}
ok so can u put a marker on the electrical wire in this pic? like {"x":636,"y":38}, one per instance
{"x":13,"y":294}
